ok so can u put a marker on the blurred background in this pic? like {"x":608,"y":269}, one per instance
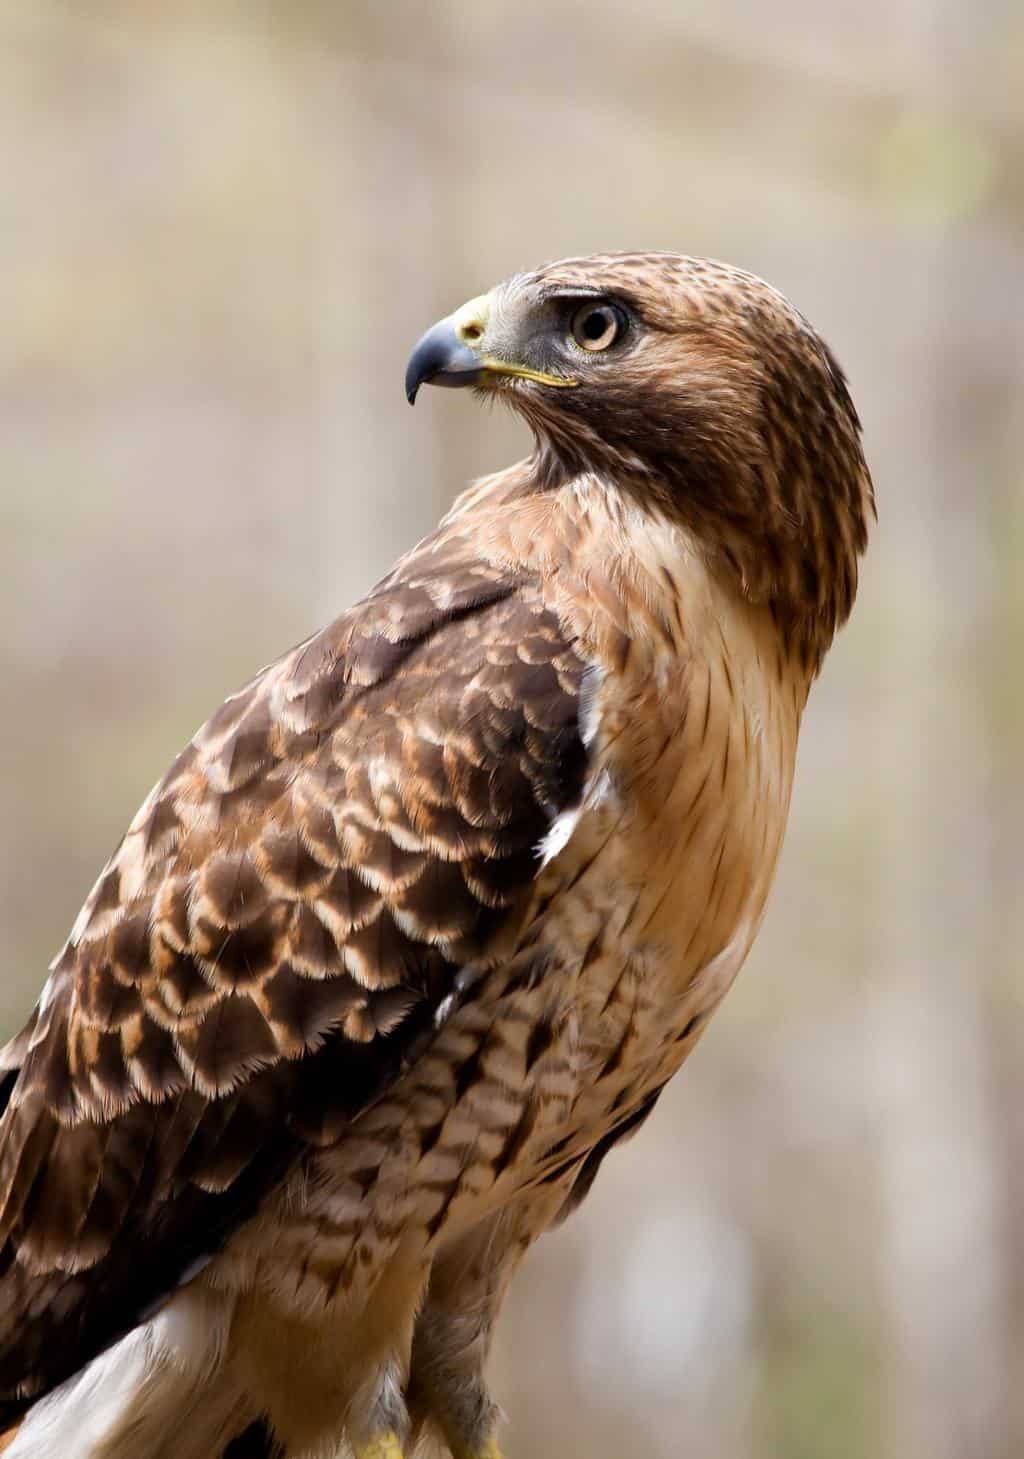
{"x":222,"y":227}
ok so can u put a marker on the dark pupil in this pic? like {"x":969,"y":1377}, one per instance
{"x":595,"y":324}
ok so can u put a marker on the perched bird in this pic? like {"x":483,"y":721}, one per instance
{"x":422,"y":920}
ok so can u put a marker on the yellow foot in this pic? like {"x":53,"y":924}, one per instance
{"x":386,"y":1446}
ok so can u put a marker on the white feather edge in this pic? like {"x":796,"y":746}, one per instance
{"x":598,"y":788}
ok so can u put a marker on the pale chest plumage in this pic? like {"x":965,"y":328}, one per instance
{"x":658,"y":884}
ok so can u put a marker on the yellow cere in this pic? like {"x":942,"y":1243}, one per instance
{"x":470,"y":324}
{"x":470,"y":320}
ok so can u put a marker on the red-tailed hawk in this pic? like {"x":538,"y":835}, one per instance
{"x":421,"y":921}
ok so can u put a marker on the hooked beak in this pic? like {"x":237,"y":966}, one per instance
{"x":449,"y":354}
{"x":441,"y":358}
{"x":445,"y":355}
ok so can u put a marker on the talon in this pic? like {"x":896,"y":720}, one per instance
{"x":385,"y":1446}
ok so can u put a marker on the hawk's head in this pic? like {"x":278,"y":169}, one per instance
{"x":695,"y":388}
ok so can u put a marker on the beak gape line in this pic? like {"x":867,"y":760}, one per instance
{"x":446,"y":355}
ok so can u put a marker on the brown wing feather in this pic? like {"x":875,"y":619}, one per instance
{"x":271,"y":939}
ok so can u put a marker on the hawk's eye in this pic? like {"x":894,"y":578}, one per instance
{"x":596,"y":326}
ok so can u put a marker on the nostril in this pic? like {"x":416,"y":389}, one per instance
{"x":471,"y":332}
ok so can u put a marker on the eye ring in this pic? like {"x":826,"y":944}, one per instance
{"x":596,"y":325}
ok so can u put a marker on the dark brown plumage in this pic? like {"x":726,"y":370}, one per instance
{"x":267,"y":904}
{"x":423,"y":918}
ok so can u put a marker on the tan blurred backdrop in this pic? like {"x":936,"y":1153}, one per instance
{"x":222,"y":226}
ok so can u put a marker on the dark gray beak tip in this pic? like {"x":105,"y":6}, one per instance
{"x":441,"y":358}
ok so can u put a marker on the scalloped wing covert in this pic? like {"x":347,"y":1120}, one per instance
{"x":268,"y":947}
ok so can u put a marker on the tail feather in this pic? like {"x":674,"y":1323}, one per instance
{"x":165,"y":1391}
